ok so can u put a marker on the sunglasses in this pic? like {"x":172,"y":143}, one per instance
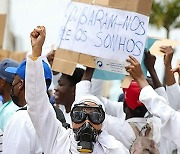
{"x":78,"y":115}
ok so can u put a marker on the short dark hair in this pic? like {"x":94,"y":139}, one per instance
{"x":76,"y":77}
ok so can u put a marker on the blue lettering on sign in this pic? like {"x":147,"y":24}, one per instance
{"x":81,"y":35}
{"x":118,"y":43}
{"x":111,"y":29}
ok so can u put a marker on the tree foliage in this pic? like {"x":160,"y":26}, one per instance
{"x":165,"y":13}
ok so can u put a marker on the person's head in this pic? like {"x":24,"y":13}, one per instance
{"x":87,"y":117}
{"x":6,"y":78}
{"x":18,"y":85}
{"x":132,"y":106}
{"x":65,"y":91}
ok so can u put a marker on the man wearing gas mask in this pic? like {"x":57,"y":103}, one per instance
{"x":87,"y":134}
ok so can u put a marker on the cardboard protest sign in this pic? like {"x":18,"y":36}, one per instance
{"x":155,"y":49}
{"x":4,"y":54}
{"x":105,"y":32}
{"x":2,"y":28}
{"x":15,"y":55}
{"x":18,"y":56}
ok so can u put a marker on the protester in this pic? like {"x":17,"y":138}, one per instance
{"x":6,"y":79}
{"x":58,"y":139}
{"x":8,"y":107}
{"x":65,"y":92}
{"x":156,"y":104}
{"x":20,"y":136}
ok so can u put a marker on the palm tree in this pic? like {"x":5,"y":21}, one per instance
{"x":165,"y":13}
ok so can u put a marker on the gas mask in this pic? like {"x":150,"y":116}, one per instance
{"x":87,"y":135}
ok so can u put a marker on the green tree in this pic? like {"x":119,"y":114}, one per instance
{"x":165,"y":13}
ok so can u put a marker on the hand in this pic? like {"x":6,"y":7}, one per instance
{"x":176,"y":70}
{"x":168,"y":51}
{"x":37,"y":40}
{"x":149,"y":61}
{"x":50,"y":57}
{"x":134,"y":69}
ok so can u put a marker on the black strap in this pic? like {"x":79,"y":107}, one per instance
{"x":59,"y":116}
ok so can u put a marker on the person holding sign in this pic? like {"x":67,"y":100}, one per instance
{"x":156,"y":104}
{"x":87,"y":114}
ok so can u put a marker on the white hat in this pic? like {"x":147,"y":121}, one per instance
{"x":88,"y":98}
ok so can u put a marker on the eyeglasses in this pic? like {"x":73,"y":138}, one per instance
{"x":78,"y":115}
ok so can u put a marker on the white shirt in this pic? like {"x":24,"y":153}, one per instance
{"x":20,"y":136}
{"x":170,"y":118}
{"x":54,"y":138}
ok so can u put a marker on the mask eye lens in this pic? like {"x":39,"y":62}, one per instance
{"x":78,"y":116}
{"x":96,"y":117}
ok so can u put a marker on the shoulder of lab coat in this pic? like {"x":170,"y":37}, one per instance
{"x":20,"y":136}
{"x":170,"y":118}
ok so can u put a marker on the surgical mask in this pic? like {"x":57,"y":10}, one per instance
{"x":15,"y":98}
{"x":86,"y":135}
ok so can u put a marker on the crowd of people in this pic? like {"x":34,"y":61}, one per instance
{"x":76,"y":118}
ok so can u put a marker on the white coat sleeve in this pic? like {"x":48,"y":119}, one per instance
{"x":40,"y":110}
{"x":173,"y":93}
{"x":162,"y":92}
{"x":170,"y":119}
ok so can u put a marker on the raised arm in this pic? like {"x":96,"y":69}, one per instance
{"x":39,"y":108}
{"x":149,"y":62}
{"x":168,"y":55}
{"x":172,"y":88}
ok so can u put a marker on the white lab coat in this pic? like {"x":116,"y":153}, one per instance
{"x":173,"y":93}
{"x":20,"y":136}
{"x":54,"y":138}
{"x":170,"y":118}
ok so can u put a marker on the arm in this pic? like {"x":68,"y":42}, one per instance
{"x":39,"y":108}
{"x":84,"y":86}
{"x":172,"y":88}
{"x":168,"y":55}
{"x":149,"y":62}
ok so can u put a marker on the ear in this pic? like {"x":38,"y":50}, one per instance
{"x":21,"y":84}
{"x":2,"y":82}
